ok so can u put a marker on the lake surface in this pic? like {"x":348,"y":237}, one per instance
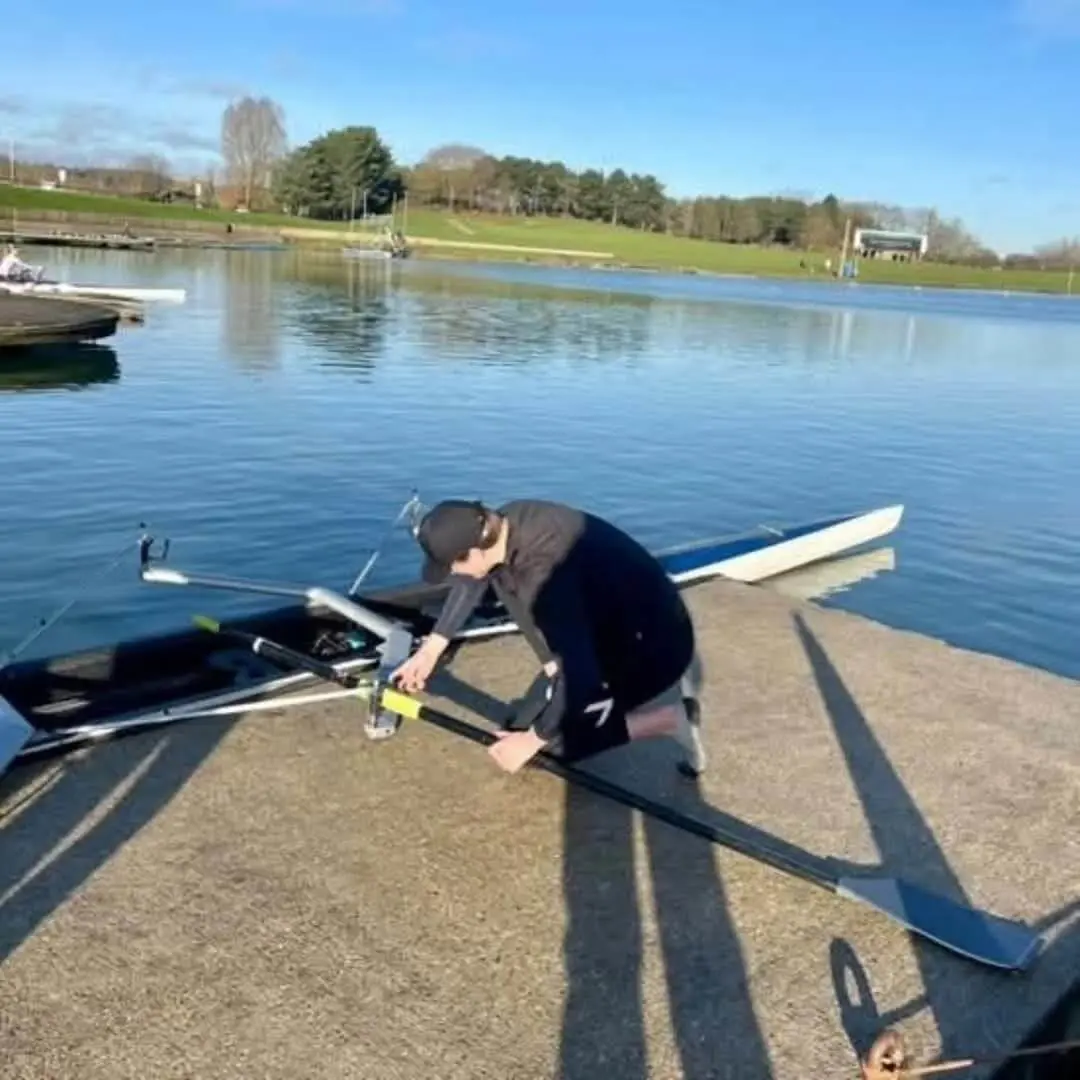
{"x":274,"y":424}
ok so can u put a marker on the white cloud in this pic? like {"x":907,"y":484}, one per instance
{"x":159,"y":81}
{"x":101,"y":133}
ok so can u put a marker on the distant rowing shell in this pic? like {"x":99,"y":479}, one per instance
{"x":104,"y":292}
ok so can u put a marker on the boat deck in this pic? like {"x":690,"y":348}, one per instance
{"x":37,"y":320}
{"x":278,"y":897}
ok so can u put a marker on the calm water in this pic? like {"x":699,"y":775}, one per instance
{"x":274,"y":424}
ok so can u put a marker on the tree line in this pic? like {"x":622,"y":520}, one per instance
{"x":351,"y":172}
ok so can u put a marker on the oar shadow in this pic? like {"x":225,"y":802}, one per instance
{"x":66,"y":818}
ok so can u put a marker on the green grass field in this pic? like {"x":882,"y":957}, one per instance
{"x":626,"y":247}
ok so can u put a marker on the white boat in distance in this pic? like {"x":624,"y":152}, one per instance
{"x":94,"y":292}
{"x":19,"y":278}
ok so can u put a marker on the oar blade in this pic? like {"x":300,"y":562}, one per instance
{"x":15,"y":733}
{"x":988,"y":939}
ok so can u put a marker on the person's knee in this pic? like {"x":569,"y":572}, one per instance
{"x":656,"y":721}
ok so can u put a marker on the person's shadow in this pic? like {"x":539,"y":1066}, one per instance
{"x":63,"y":818}
{"x":715,"y":1027}
{"x":716,"y":1030}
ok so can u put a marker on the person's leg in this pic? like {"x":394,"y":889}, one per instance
{"x":675,"y":713}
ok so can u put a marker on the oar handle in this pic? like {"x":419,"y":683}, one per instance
{"x":386,"y":697}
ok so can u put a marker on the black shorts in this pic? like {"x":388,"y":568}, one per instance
{"x":604,"y":727}
{"x":640,"y":686}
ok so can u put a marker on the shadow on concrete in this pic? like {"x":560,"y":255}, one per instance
{"x":863,"y":1021}
{"x":902,"y":835}
{"x":716,"y":1030}
{"x":65,"y":818}
{"x":604,"y":1030}
{"x":909,"y":850}
{"x":860,"y":1016}
{"x":713,"y":1016}
{"x":1061,"y":1022}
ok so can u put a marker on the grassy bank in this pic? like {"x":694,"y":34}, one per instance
{"x":481,"y":236}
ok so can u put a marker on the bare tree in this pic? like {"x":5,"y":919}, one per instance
{"x":150,"y":174}
{"x":252,"y":142}
{"x":448,"y":172}
{"x":1060,"y":255}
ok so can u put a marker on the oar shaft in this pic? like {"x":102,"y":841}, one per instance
{"x":289,"y":657}
{"x":403,"y":705}
{"x":409,"y":707}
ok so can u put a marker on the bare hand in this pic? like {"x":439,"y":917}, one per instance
{"x":412,"y":676}
{"x":515,"y":748}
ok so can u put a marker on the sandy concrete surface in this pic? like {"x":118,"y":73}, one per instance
{"x":278,"y":898}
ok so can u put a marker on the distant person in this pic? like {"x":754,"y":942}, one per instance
{"x":12,"y":268}
{"x":606,"y":621}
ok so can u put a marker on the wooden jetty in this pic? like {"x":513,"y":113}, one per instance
{"x":117,"y":241}
{"x":36,"y":320}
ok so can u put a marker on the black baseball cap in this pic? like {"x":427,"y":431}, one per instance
{"x":446,"y":534}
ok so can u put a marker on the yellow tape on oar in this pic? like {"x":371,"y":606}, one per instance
{"x":400,"y":703}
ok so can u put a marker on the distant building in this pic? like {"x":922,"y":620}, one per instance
{"x":889,"y":244}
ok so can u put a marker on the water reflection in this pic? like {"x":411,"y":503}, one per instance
{"x":58,"y":367}
{"x":826,"y":579}
{"x":343,"y":307}
{"x":505,"y":321}
{"x":349,"y":314}
{"x":740,"y":409}
{"x":250,"y":322}
{"x":511,"y":323}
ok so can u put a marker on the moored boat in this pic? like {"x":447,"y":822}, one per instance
{"x":19,"y":278}
{"x":61,"y":702}
{"x":94,"y":292}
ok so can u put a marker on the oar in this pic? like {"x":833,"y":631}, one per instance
{"x":980,"y":936}
{"x":280,"y":654}
{"x":15,"y":733}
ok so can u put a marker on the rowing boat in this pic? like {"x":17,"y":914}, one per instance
{"x":353,"y":641}
{"x":95,"y":694}
{"x":94,"y":292}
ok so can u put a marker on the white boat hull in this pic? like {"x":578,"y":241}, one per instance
{"x":366,"y":253}
{"x":769,"y":554}
{"x":755,"y":556}
{"x":814,"y":547}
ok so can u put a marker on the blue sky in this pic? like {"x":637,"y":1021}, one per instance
{"x":970,"y":106}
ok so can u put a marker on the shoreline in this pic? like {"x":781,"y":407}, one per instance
{"x":209,"y":829}
{"x":233,"y":232}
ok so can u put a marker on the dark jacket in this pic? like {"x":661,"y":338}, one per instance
{"x":590,"y":597}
